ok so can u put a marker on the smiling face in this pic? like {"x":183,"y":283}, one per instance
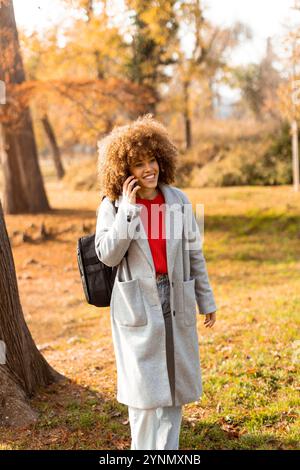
{"x":146,"y":170}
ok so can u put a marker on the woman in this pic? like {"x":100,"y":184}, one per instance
{"x":161,"y":276}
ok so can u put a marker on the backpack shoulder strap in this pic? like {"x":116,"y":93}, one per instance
{"x":116,"y":208}
{"x":114,"y":202}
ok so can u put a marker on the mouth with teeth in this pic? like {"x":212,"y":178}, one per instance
{"x":149,"y":177}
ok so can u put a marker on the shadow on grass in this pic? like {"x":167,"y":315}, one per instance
{"x":72,"y":416}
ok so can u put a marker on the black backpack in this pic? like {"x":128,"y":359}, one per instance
{"x":97,"y":278}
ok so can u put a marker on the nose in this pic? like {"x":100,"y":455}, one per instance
{"x":148,"y":165}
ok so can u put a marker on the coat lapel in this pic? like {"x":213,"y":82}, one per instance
{"x":173,"y":228}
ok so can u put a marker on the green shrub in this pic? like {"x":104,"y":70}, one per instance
{"x":266,"y":160}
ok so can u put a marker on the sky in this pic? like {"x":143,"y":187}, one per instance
{"x":266,"y":18}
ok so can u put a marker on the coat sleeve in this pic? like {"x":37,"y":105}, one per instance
{"x":203,"y":290}
{"x":114,"y":231}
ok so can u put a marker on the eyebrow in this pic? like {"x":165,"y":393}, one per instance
{"x":140,"y":161}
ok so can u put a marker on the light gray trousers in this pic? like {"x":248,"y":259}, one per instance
{"x":159,"y":428}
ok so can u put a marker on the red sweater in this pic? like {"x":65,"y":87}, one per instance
{"x":155,"y":229}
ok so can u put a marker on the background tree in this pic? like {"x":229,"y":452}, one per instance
{"x":83,"y":97}
{"x":259,"y":84}
{"x":24,"y":369}
{"x":207,"y":59}
{"x":154,"y":38}
{"x":24,"y":189}
{"x":34,"y":50}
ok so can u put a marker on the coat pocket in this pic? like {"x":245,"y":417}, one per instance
{"x":189,"y":298}
{"x":128,"y":306}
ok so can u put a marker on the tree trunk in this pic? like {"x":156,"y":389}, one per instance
{"x":54,"y":146}
{"x":210,"y":111}
{"x":23,"y":369}
{"x":24,"y":190}
{"x":186,"y":115}
{"x":151,"y":108}
{"x":89,"y":9}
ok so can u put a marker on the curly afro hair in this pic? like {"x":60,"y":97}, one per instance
{"x":124,"y":145}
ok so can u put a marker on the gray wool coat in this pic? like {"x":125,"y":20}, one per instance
{"x":138,"y":329}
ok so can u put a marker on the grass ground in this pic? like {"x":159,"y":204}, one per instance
{"x":250,"y":358}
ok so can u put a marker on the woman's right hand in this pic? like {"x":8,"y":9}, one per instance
{"x":128,"y":191}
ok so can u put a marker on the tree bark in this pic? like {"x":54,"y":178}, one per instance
{"x":24,"y":190}
{"x":23,"y":369}
{"x":54,"y":146}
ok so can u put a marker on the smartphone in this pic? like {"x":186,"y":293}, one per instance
{"x":134,"y":184}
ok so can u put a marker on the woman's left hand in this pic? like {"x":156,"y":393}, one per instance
{"x":210,"y":319}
